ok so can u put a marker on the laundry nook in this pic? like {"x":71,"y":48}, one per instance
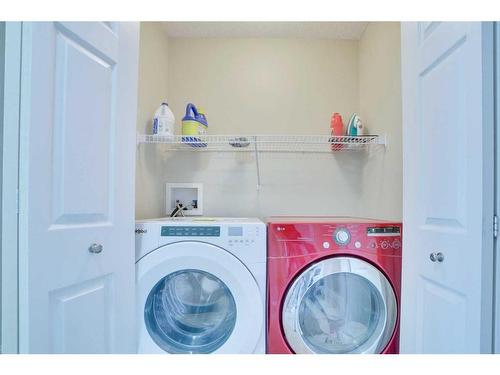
{"x":236,"y":187}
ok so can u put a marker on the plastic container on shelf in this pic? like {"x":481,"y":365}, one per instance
{"x":337,"y":130}
{"x":163,"y":121}
{"x":194,"y":125}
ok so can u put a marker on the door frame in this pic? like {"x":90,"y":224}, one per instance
{"x":23,"y":184}
{"x":9,"y":189}
{"x":496,"y":83}
{"x":489,"y":189}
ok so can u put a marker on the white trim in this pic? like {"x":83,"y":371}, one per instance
{"x":24,"y":125}
{"x":10,"y":164}
{"x":496,"y":306}
{"x":488,"y":269}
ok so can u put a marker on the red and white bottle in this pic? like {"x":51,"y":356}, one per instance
{"x":337,"y":130}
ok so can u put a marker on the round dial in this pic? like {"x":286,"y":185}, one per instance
{"x":342,"y":236}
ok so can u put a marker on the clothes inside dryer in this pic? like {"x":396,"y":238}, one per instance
{"x":190,"y":311}
{"x":339,"y":305}
{"x":340,"y":312}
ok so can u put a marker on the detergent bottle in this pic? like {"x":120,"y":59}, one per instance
{"x":337,"y":130}
{"x":163,"y":121}
{"x":336,"y":125}
{"x":194,"y":124}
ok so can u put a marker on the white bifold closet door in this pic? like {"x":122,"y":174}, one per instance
{"x":78,"y":113}
{"x":447,"y":286}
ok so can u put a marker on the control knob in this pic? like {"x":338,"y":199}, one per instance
{"x":342,"y":236}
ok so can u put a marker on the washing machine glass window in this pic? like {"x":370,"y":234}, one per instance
{"x":190,"y":311}
{"x":340,"y":305}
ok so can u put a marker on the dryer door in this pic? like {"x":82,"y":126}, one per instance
{"x":197,"y":298}
{"x":339,"y":305}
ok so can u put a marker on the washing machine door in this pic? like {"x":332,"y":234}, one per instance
{"x":195,"y":297}
{"x":339,"y":305}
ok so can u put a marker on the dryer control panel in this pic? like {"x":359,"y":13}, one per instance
{"x":387,"y":237}
{"x":301,"y":238}
{"x":361,"y":237}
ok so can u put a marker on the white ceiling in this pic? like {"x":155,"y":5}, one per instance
{"x":322,"y":30}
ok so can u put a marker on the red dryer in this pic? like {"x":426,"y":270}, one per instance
{"x":333,"y":285}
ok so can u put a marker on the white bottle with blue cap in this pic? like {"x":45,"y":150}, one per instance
{"x":163,"y":121}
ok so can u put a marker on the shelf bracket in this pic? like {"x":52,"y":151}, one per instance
{"x":382,"y":140}
{"x":257,"y":165}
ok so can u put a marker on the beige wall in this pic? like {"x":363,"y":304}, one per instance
{"x":260,"y":86}
{"x":264,"y":85}
{"x":380,"y":109}
{"x":153,"y":83}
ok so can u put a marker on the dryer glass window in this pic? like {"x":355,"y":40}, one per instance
{"x":190,"y":311}
{"x":339,"y":305}
{"x":341,"y":312}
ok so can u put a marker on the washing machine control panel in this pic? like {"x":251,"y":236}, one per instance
{"x":246,"y":239}
{"x":342,"y":236}
{"x":231,"y":235}
{"x":236,"y":236}
{"x":190,"y":231}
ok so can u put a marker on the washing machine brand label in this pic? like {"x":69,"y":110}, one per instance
{"x":190,"y":231}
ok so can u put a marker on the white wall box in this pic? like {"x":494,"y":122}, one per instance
{"x":188,"y":194}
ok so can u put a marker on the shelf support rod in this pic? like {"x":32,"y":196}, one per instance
{"x":382,"y":140}
{"x":256,"y":150}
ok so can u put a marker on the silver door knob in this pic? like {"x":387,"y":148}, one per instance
{"x":436,"y":257}
{"x":95,"y":248}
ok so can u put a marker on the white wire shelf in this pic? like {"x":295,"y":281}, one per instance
{"x":266,"y":143}
{"x":259,"y":144}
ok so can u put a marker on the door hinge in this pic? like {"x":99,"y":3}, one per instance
{"x":495,"y":226}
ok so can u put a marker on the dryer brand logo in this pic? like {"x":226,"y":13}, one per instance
{"x":141,"y":231}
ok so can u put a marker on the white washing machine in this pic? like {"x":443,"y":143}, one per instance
{"x":201,"y":285}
